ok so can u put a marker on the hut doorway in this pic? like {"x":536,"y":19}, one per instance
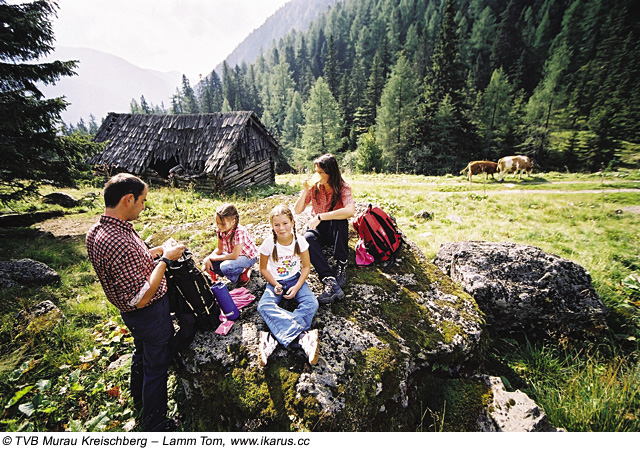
{"x":162,"y":167}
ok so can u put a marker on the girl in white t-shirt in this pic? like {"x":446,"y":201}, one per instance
{"x":285,"y":264}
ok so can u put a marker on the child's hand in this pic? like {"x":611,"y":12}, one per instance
{"x":206,"y":263}
{"x":278,"y":289}
{"x":291,"y":292}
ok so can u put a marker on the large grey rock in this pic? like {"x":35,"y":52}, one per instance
{"x":26,"y":272}
{"x":524,"y":290}
{"x":393,"y":333}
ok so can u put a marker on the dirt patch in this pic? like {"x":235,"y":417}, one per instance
{"x":632,"y":209}
{"x":67,"y":226}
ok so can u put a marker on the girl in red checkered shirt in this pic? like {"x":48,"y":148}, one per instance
{"x":236,"y":252}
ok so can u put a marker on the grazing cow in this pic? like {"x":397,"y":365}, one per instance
{"x":515,"y":164}
{"x":476,"y":167}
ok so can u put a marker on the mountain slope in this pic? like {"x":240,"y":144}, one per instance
{"x":296,"y":14}
{"x":107,"y":83}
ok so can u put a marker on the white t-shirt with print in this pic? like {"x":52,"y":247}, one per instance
{"x":288,"y":263}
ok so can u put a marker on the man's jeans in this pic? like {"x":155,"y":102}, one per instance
{"x":285,"y":325}
{"x":152,"y":330}
{"x":329,"y":232}
{"x":232,"y":268}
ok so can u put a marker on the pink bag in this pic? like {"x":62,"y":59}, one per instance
{"x":363,"y":258}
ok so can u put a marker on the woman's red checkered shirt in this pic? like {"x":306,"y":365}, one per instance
{"x":323,"y":202}
{"x":242,"y":237}
{"x":121,"y":260}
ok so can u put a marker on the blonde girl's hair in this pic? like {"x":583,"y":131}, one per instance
{"x":225,"y":212}
{"x":282,"y":210}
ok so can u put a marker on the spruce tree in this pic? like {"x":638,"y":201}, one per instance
{"x":30,"y":149}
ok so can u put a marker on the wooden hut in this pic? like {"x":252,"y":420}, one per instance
{"x":215,"y":152}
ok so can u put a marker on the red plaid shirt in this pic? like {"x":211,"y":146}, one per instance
{"x":322,"y":203}
{"x":121,"y":260}
{"x":241,"y":237}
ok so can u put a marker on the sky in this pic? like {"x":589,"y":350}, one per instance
{"x":188,"y":36}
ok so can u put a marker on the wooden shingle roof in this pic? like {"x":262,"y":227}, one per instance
{"x":201,"y":143}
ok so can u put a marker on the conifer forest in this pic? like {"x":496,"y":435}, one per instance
{"x":424,"y":86}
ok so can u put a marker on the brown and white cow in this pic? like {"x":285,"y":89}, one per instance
{"x":476,"y":167}
{"x":516,"y":164}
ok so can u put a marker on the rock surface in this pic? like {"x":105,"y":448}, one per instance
{"x":61,"y":198}
{"x":379,"y":348}
{"x":26,"y":272}
{"x":525,"y":291}
{"x":513,"y":411}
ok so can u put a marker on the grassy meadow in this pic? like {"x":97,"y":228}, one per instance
{"x":54,"y":377}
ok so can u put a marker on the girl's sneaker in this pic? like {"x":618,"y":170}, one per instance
{"x":243,"y":279}
{"x":266,"y":346}
{"x":309,"y":342}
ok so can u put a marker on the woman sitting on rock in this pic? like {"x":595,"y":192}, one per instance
{"x":332,"y":206}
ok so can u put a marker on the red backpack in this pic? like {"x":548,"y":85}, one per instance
{"x":381,"y":237}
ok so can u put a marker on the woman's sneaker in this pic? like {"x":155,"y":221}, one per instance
{"x":244,"y":277}
{"x":341,"y":273}
{"x":331,"y":292}
{"x":308,"y":340}
{"x":267,"y":344}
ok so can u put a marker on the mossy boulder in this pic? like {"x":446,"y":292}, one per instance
{"x":381,"y":348}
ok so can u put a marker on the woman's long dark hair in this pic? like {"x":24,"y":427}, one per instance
{"x":329,"y":164}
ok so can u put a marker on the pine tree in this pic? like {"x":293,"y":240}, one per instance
{"x":331,"y":70}
{"x":144,"y":106}
{"x":365,"y":115}
{"x":396,"y":117}
{"x":495,"y":114}
{"x":31,"y":151}
{"x":444,"y":77}
{"x":277,"y":96}
{"x":323,"y":126}
{"x":229,"y":88}
{"x":547,"y":97}
{"x":291,"y":133}
{"x":445,"y":81}
{"x":214,"y":89}
{"x":369,"y":153}
{"x":483,"y":32}
{"x":303,"y":68}
{"x":508,"y":47}
{"x":189,"y":97}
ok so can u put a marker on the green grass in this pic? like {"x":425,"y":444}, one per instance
{"x":590,"y":386}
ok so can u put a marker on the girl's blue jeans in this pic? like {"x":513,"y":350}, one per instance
{"x":286,"y":325}
{"x":232,"y":268}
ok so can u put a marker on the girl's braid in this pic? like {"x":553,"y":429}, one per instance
{"x":274,"y":253}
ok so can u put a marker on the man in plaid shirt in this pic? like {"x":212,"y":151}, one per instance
{"x":332,"y":206}
{"x":136,"y":285}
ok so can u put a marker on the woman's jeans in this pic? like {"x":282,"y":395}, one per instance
{"x":329,"y":232}
{"x":285,"y":325}
{"x":152,"y":329}
{"x":232,"y":268}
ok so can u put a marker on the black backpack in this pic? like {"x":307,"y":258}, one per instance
{"x":191,"y":299}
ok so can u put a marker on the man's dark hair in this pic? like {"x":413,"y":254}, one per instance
{"x":120,"y":185}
